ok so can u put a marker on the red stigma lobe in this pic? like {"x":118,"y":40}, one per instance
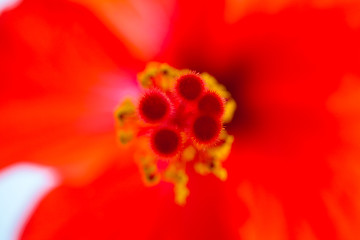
{"x":211,"y":103}
{"x":189,"y":86}
{"x":166,"y":142}
{"x":154,"y":106}
{"x":206,"y":129}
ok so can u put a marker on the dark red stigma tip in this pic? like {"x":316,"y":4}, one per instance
{"x":211,"y":103}
{"x":189,"y":86}
{"x":166,"y":142}
{"x":154,"y":106}
{"x":206,"y":129}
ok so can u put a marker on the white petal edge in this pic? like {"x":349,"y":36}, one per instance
{"x":8,"y":4}
{"x":22,"y":186}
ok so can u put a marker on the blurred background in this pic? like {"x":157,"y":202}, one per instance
{"x":293,"y":67}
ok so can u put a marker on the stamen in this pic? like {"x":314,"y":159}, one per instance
{"x":178,"y":121}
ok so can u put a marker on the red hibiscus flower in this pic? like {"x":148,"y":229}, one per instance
{"x":291,"y":66}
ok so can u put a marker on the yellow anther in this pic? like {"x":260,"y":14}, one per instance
{"x":222,"y":151}
{"x":125,"y":112}
{"x":158,"y":75}
{"x":125,"y":136}
{"x":230,"y":107}
{"x":181,"y":193}
{"x":169,"y":75}
{"x":175,"y":173}
{"x":221,"y":173}
{"x":125,"y":116}
{"x":179,"y":178}
{"x":189,"y":153}
{"x":211,"y":167}
{"x":150,"y":173}
{"x":201,"y":168}
{"x":213,"y":84}
{"x":146,"y":77}
{"x":212,"y":162}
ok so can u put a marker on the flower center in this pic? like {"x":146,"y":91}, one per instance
{"x":179,"y":119}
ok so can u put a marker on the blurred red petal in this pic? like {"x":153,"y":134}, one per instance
{"x":125,"y":208}
{"x":56,"y":58}
{"x":142,"y":25}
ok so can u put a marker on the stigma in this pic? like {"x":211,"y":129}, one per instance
{"x":177,"y":120}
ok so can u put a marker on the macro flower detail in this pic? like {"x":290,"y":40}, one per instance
{"x":178,"y":122}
